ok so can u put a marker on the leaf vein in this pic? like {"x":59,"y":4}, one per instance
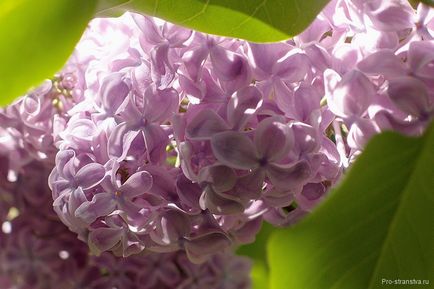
{"x":202,"y":11}
{"x":351,"y":269}
{"x":404,"y":195}
{"x":262,"y":4}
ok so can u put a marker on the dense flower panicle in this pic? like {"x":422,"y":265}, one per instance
{"x":31,"y":235}
{"x":29,"y":125}
{"x":171,"y":146}
{"x":38,"y":252}
{"x":185,"y":141}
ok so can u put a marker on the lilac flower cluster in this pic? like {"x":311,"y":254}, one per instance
{"x":381,"y":76}
{"x":185,"y":141}
{"x":38,"y":252}
{"x":26,"y":131}
{"x":173,"y":146}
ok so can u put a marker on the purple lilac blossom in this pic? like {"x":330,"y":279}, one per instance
{"x":169,"y":141}
{"x":38,"y":252}
{"x":188,"y":142}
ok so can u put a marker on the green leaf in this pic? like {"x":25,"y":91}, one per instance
{"x":428,"y":2}
{"x":414,"y":3}
{"x":36,"y":38}
{"x":257,"y":251}
{"x":253,"y":20}
{"x":378,"y":224}
{"x":259,"y":275}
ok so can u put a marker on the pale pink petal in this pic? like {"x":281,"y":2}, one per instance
{"x":221,"y":178}
{"x":410,"y":95}
{"x":102,"y":204}
{"x":205,"y":124}
{"x":219,"y":205}
{"x":103,"y":239}
{"x":242,"y":105}
{"x":290,"y":176}
{"x":136,"y":184}
{"x":198,"y":249}
{"x":383,"y":62}
{"x":235,"y":150}
{"x":90,"y":175}
{"x":273,"y":139}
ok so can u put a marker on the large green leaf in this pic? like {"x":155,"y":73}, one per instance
{"x":254,"y":20}
{"x":36,"y":38}
{"x":376,"y":226}
{"x":257,"y":251}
